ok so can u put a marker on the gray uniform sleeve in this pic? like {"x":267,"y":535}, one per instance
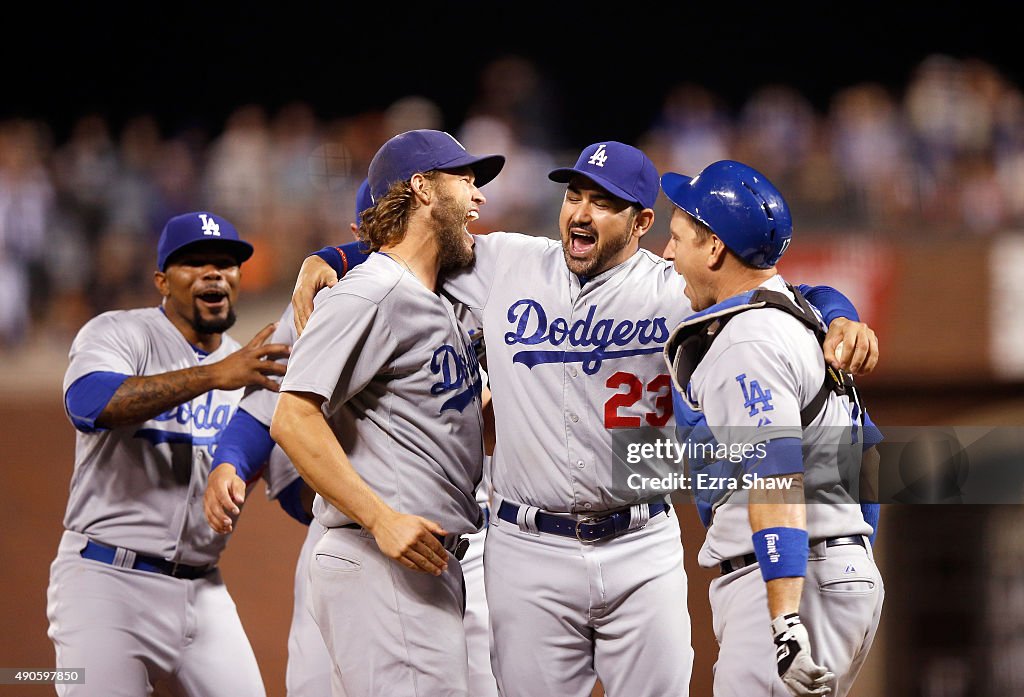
{"x":750,"y":393}
{"x":345,"y":344}
{"x":106,"y":343}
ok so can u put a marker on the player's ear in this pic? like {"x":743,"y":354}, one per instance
{"x":643,"y":222}
{"x":421,"y":189}
{"x":716,"y":252}
{"x":160,"y":281}
{"x":355,"y":230}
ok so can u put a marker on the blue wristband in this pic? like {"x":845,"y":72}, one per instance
{"x":781,"y":552}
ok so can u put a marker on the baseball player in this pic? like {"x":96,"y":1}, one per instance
{"x":584,"y":579}
{"x":800,"y":573}
{"x":397,"y":459}
{"x":247,"y":447}
{"x":135,"y":595}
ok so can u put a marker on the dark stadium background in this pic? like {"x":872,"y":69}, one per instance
{"x":607,"y":71}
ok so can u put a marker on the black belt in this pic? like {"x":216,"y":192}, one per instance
{"x":100,"y":552}
{"x":584,"y":528}
{"x":455,"y":544}
{"x":737,"y":563}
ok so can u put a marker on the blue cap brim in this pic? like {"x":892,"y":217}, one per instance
{"x":239,"y":249}
{"x":563,"y":175}
{"x":485,"y":168}
{"x":677,"y":189}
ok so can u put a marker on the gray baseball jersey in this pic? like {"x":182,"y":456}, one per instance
{"x":570,"y":364}
{"x":762,"y":369}
{"x":141,"y":486}
{"x":386,"y":353}
{"x":139,"y":489}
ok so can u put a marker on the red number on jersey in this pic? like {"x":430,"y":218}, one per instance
{"x":663,"y":402}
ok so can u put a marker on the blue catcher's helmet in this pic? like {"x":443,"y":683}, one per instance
{"x":740,"y":205}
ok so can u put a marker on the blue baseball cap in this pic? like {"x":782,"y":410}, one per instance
{"x":425,"y":150}
{"x":199,"y":227}
{"x":618,"y":168}
{"x":363,"y":201}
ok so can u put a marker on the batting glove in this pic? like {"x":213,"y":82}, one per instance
{"x":802,"y":676}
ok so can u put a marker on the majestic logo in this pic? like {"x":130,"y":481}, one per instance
{"x":754,"y":397}
{"x":531,"y":326}
{"x":457,"y":373}
{"x":202,"y":416}
{"x":210,"y":226}
{"x":599,"y":157}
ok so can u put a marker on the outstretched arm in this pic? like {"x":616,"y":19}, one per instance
{"x":140,"y":398}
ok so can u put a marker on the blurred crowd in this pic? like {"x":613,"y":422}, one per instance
{"x":80,"y":215}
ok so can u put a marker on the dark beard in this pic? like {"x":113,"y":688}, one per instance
{"x":218,"y":325}
{"x":597,"y":264}
{"x":453,"y":251}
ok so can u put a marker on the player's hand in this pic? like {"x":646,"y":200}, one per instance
{"x":314,"y":275}
{"x":802,"y":676}
{"x":411,"y":541}
{"x":251,"y":364}
{"x":857,"y":346}
{"x":225,"y":494}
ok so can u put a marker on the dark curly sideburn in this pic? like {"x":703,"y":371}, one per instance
{"x":385,"y":224}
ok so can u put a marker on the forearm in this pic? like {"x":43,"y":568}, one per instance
{"x":301,"y":431}
{"x":139,"y":399}
{"x":780,"y":508}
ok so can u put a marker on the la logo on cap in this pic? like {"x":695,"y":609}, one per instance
{"x":599,"y":157}
{"x":210,"y":226}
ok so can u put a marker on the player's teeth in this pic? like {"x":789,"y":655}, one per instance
{"x":473,"y":215}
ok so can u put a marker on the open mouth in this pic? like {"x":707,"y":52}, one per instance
{"x":581,"y":243}
{"x":470,"y":217}
{"x":213,"y":299}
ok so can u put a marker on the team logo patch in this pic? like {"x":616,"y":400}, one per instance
{"x":599,"y":157}
{"x":755,"y":399}
{"x":210,"y":226}
{"x":850,"y":569}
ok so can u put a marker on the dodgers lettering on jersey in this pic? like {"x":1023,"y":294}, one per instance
{"x":458,"y":372}
{"x":532,"y":327}
{"x":204,"y":418}
{"x":569,"y":365}
{"x":140,"y":486}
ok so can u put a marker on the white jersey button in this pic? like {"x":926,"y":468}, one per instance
{"x":581,"y":464}
{"x":574,"y":418}
{"x":587,"y":506}
{"x":572,"y":371}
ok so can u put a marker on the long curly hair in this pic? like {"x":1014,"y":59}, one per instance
{"x":387,"y":221}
